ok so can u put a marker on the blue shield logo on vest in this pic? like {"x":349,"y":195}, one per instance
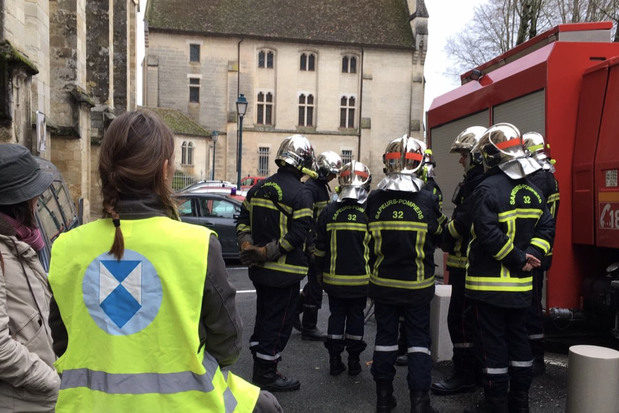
{"x":123,"y":297}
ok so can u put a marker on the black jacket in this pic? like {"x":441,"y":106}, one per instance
{"x":510,"y":219}
{"x":405,"y":228}
{"x":320,"y":196}
{"x":278,"y":208}
{"x":342,"y":249}
{"x":548,"y":184}
{"x":457,"y":232}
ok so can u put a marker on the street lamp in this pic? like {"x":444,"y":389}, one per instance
{"x":214,"y":137}
{"x":241,"y":108}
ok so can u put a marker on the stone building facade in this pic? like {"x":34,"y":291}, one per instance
{"x":64,"y":72}
{"x":345,"y":73}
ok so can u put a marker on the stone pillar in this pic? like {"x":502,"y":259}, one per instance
{"x":121,"y":55}
{"x":70,"y":112}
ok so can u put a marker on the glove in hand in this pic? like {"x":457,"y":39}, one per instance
{"x":251,"y":254}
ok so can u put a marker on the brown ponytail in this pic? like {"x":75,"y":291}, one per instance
{"x":133,"y":153}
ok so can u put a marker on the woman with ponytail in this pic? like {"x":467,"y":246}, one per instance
{"x":149,"y":313}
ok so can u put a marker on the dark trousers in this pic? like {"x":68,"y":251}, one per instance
{"x":345,"y":330}
{"x":312,"y":291}
{"x":535,"y":316}
{"x":503,"y":348}
{"x":417,"y":323}
{"x":461,"y":324}
{"x":275,"y":310}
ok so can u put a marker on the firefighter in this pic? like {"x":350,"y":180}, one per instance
{"x":275,"y":220}
{"x":342,"y":259}
{"x":456,"y":236}
{"x":327,"y":166}
{"x":512,"y":231}
{"x":546,"y":182}
{"x":405,"y":225}
{"x":430,"y":184}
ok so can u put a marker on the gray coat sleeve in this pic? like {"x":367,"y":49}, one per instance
{"x":220,"y":324}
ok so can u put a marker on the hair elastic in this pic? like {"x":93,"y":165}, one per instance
{"x":116,"y":222}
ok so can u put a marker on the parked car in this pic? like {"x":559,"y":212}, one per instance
{"x":250,"y":181}
{"x":56,"y":213}
{"x":214,"y":211}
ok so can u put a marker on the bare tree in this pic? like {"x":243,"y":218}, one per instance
{"x":499,"y":25}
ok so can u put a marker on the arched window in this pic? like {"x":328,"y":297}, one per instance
{"x":306,"y":110}
{"x":190,"y":153}
{"x":184,"y":153}
{"x":347,"y":112}
{"x":264,"y":109}
{"x":349,"y":64}
{"x":265,"y":59}
{"x":307,"y":62}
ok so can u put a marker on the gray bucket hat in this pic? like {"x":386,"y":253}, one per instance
{"x":21,"y":177}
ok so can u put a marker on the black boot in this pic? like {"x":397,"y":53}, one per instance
{"x":310,"y":331}
{"x":518,"y":402}
{"x":267,"y":377}
{"x":354,"y":365}
{"x":336,"y":366}
{"x":385,"y":401}
{"x":420,"y":402}
{"x":490,"y":405}
{"x":458,"y":382}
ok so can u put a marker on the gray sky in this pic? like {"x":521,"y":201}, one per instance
{"x":446,"y":18}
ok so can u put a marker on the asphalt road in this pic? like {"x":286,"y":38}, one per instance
{"x":309,"y":362}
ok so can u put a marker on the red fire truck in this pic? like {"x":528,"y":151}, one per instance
{"x":563,"y":84}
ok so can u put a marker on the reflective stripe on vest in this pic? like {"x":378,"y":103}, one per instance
{"x":333,"y":229}
{"x":407,"y":285}
{"x":499,"y":284}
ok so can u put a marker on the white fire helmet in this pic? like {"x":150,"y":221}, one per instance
{"x":355,"y":179}
{"x":297,"y":151}
{"x":535,"y":144}
{"x":328,"y":163}
{"x":501,"y":145}
{"x":403,"y":160}
{"x":466,"y":141}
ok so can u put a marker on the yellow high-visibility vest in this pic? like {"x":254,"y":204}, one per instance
{"x":133,"y":324}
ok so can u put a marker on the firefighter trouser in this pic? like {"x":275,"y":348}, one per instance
{"x":345,"y":330}
{"x":461,"y":324}
{"x":535,"y":316}
{"x":417,"y":321}
{"x":275,"y":310}
{"x":504,"y":349}
{"x":312,"y":291}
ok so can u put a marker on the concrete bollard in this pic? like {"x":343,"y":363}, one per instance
{"x":593,"y":380}
{"x":442,"y":349}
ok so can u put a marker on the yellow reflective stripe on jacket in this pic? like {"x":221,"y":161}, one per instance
{"x":348,"y":280}
{"x":280,"y":266}
{"x":319,"y":253}
{"x":286,"y":245}
{"x":267,"y":203}
{"x":541,"y":244}
{"x":243,"y":228}
{"x":403,"y":284}
{"x":347,"y":226}
{"x":398,"y":226}
{"x":520,"y":213}
{"x":451,"y":227}
{"x":302,"y":213}
{"x":319,"y":206}
{"x":499,"y":284}
{"x":506,"y":249}
{"x":553,"y":198}
{"x":456,"y":262}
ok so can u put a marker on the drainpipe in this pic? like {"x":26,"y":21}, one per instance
{"x":360,"y":106}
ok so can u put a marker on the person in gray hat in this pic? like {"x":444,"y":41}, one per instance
{"x":28,"y":380}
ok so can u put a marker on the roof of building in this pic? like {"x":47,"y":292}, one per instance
{"x":356,"y":22}
{"x":180,"y":123}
